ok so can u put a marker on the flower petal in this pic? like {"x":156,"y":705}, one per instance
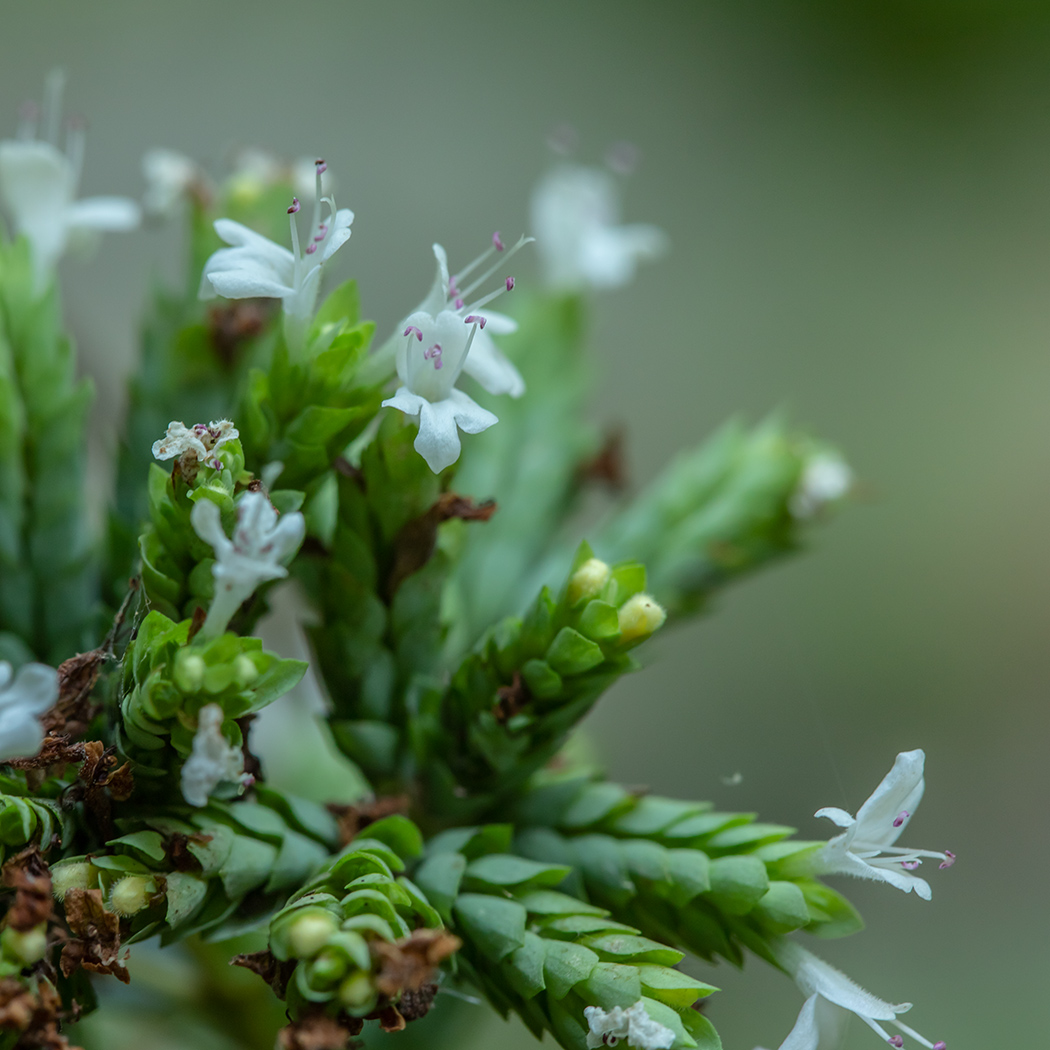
{"x":207,"y":523}
{"x":438,"y":438}
{"x":812,"y":975}
{"x":103,"y":213}
{"x":245,"y":284}
{"x":339,"y":235}
{"x":470,"y":416}
{"x":836,"y":816}
{"x":403,"y":399}
{"x":36,"y":686}
{"x":491,"y":368}
{"x":900,"y":791}
{"x":240,"y":236}
{"x":436,"y":298}
{"x":21,"y":735}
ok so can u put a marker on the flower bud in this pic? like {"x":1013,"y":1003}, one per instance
{"x":244,"y":671}
{"x":328,"y":968}
{"x":588,"y":580}
{"x":27,"y":947}
{"x":357,"y":991}
{"x":640,"y":617}
{"x":310,"y":933}
{"x":189,"y":672}
{"x":131,"y":894}
{"x":79,"y":875}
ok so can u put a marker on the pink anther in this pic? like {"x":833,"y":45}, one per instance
{"x":910,"y":865}
{"x":896,"y":1040}
{"x":295,"y":206}
{"x":497,"y":241}
{"x":949,"y":860}
{"x":216,"y":464}
{"x":321,"y":166}
{"x":311,"y":248}
{"x":510,"y":283}
{"x":476,"y":319}
{"x":458,"y":304}
{"x":433,"y":353}
{"x":940,"y":1045}
{"x":901,"y":818}
{"x":412,"y":328}
{"x":200,"y":428}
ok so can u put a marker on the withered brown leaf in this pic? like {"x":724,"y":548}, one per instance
{"x":28,"y":875}
{"x":97,"y":943}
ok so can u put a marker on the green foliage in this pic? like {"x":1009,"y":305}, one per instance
{"x":546,"y":955}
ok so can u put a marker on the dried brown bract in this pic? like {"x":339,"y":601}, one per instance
{"x":409,"y":964}
{"x":352,"y":819}
{"x":511,"y":699}
{"x":318,"y":1031}
{"x":28,"y":875}
{"x":96,"y":946}
{"x":35,"y":1016}
{"x":275,"y":974}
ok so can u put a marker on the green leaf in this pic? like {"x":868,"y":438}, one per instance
{"x":738,"y":883}
{"x":507,"y":870}
{"x":341,"y":305}
{"x":676,"y":989}
{"x":494,"y":924}
{"x":565,"y":965}
{"x":185,"y":894}
{"x":571,"y":654}
{"x":523,"y":968}
{"x":611,"y":984}
{"x":439,"y":877}
{"x":783,"y":908}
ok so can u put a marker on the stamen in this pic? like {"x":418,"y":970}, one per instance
{"x":321,"y":166}
{"x":452,"y":289}
{"x":312,"y":247}
{"x":435,"y":353}
{"x":510,"y":283}
{"x":481,"y":321}
{"x":459,"y":304}
{"x":949,"y":860}
{"x":412,"y":328}
{"x":896,"y":1040}
{"x":521,"y":242}
{"x":295,"y":206}
{"x":497,"y":242}
{"x":910,"y":865}
{"x":940,"y":1045}
{"x":901,"y":818}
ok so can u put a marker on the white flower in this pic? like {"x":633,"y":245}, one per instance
{"x":608,"y":1027}
{"x":22,"y":698}
{"x":169,"y":176}
{"x":261,"y":544}
{"x":825,"y":478}
{"x":486,"y":362}
{"x":212,"y":760}
{"x":256,"y":267}
{"x":202,"y":438}
{"x":831,"y":998}
{"x":575,"y":216}
{"x":38,"y":186}
{"x":865,"y":849}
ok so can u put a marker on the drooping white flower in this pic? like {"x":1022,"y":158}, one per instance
{"x":831,"y":998}
{"x":633,"y":1025}
{"x":212,"y":760}
{"x":261,"y":545}
{"x":23,"y":697}
{"x":201,"y":438}
{"x":575,"y":217}
{"x":170,"y":176}
{"x":825,"y":478}
{"x":38,"y":187}
{"x":866,"y":847}
{"x":256,"y":267}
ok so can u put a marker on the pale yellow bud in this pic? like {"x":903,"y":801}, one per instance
{"x":189,"y":672}
{"x":244,"y":670}
{"x":310,"y":933}
{"x":588,"y":580}
{"x":357,"y":991}
{"x":131,"y":894}
{"x":80,"y":875}
{"x":27,"y":947}
{"x":640,"y":617}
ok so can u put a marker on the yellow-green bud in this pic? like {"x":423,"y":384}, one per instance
{"x":80,"y":875}
{"x":328,"y":968}
{"x":310,"y":933}
{"x":357,"y":991}
{"x":244,"y":670}
{"x":640,"y":617}
{"x":588,"y":580}
{"x":131,"y":894}
{"x":189,"y":671}
{"x":27,"y":947}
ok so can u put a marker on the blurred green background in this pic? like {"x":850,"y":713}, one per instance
{"x":858,"y":200}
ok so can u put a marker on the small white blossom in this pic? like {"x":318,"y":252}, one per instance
{"x":201,"y":438}
{"x":866,"y":848}
{"x":575,"y":217}
{"x":256,"y":267}
{"x":261,"y":544}
{"x":38,"y":186}
{"x":170,"y":176}
{"x":825,"y":479}
{"x":634,"y":1025}
{"x":212,"y":760}
{"x":443,"y":338}
{"x":23,"y":697}
{"x":831,"y":999}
